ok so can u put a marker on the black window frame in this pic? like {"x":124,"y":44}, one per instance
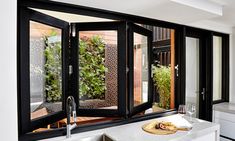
{"x":120,"y":27}
{"x":26,"y":124}
{"x":82,"y":10}
{"x":133,"y":28}
{"x":225,"y":67}
{"x":67,"y":8}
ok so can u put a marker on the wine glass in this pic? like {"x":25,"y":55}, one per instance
{"x":181,"y":110}
{"x":191,"y":109}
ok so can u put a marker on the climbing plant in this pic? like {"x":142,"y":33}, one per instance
{"x":53,"y":64}
{"x":92,"y":68}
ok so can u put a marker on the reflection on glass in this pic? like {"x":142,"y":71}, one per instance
{"x":163,"y":68}
{"x":140,"y":69}
{"x":192,"y":72}
{"x":45,"y":70}
{"x":98,"y":85}
{"x":217,"y":68}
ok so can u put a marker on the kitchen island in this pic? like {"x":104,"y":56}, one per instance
{"x":201,"y":131}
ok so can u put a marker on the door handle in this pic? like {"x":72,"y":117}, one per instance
{"x":177,"y":70}
{"x":203,"y":93}
{"x":152,"y":69}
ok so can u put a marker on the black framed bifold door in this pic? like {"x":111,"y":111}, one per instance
{"x":139,"y":63}
{"x":197,"y":73}
{"x":43,"y":68}
{"x":99,"y":68}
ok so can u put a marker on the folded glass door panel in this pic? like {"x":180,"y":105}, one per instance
{"x":140,"y":60}
{"x":43,"y":82}
{"x":99,"y":68}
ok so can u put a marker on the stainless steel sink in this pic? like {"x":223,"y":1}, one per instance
{"x":101,"y":137}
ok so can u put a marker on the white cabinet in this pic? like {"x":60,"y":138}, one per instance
{"x":227,"y":128}
{"x":224,"y":139}
{"x":208,"y":137}
{"x":224,"y":114}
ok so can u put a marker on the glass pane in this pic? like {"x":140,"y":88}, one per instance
{"x":98,"y":87}
{"x":164,"y":68}
{"x":192,"y":72}
{"x":140,"y":69}
{"x":45,"y":70}
{"x":217,"y":68}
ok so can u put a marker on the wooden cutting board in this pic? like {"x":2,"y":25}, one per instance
{"x":150,"y":128}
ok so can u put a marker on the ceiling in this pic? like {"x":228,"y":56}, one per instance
{"x":71,"y":18}
{"x":178,"y":11}
{"x":228,"y":16}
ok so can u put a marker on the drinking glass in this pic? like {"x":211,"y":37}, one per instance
{"x":191,"y":109}
{"x":181,"y":110}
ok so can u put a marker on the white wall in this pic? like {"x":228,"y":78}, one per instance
{"x":232,"y":67}
{"x":212,"y":25}
{"x":8,"y":87}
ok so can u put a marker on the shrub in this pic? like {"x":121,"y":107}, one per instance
{"x":162,"y":82}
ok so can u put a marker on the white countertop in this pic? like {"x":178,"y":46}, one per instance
{"x":225,"y":107}
{"x":134,"y":132}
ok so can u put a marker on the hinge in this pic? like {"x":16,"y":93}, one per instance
{"x":127,"y":70}
{"x":73,"y":30}
{"x":70,"y":69}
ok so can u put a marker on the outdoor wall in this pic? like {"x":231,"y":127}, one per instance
{"x":8,"y":76}
{"x":138,"y":75}
{"x":111,"y":92}
{"x":37,"y":71}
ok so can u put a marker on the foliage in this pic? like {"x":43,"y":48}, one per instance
{"x":53,"y":70}
{"x":162,"y":82}
{"x":92,"y":68}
